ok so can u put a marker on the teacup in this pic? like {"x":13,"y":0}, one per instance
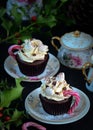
{"x":87,"y":71}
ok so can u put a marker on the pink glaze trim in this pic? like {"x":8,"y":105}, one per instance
{"x":34,"y":78}
{"x":77,"y":99}
{"x":12,"y":48}
{"x":28,"y":124}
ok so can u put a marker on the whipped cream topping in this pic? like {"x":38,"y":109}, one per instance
{"x":32,"y":50}
{"x":53,"y":87}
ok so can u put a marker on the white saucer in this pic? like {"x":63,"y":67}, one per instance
{"x":34,"y":108}
{"x":11,"y":67}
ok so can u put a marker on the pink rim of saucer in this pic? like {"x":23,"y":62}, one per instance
{"x":28,"y":124}
{"x":77,"y":99}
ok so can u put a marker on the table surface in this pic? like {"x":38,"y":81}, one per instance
{"x":74,"y":78}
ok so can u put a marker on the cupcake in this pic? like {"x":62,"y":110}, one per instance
{"x":57,"y":95}
{"x":32,"y":56}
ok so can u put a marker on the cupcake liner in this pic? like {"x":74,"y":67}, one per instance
{"x":32,"y":69}
{"x":56,"y":107}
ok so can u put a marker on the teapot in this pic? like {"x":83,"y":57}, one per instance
{"x":87,"y":71}
{"x":75,"y":50}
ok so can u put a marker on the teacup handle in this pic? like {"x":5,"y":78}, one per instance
{"x":52,"y":42}
{"x":13,"y":48}
{"x":84,"y":68}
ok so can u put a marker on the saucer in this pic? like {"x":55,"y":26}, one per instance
{"x":34,"y":109}
{"x":11,"y":67}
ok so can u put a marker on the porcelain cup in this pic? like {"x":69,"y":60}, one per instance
{"x":87,"y":71}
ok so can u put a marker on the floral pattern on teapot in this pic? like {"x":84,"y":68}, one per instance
{"x":73,"y":59}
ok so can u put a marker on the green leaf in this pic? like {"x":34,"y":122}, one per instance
{"x":63,"y":1}
{"x":16,"y":119}
{"x":16,"y":15}
{"x":17,"y":115}
{"x":6,"y":24}
{"x":25,"y":37}
{"x":2,"y":12}
{"x":1,"y":125}
{"x":12,"y":94}
{"x":49,"y":21}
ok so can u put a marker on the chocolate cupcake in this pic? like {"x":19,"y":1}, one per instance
{"x":32,"y":69}
{"x":32,"y":56}
{"x":56,"y":96}
{"x":56,"y":107}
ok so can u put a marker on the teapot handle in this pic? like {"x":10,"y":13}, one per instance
{"x":84,"y":68}
{"x":53,"y":44}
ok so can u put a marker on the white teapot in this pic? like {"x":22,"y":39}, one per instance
{"x":75,"y":50}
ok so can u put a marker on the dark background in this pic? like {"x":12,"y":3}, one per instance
{"x":74,"y":78}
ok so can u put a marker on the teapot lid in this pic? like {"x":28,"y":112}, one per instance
{"x":77,"y":40}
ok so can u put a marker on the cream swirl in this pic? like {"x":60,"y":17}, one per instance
{"x":53,"y":87}
{"x":33,"y":50}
